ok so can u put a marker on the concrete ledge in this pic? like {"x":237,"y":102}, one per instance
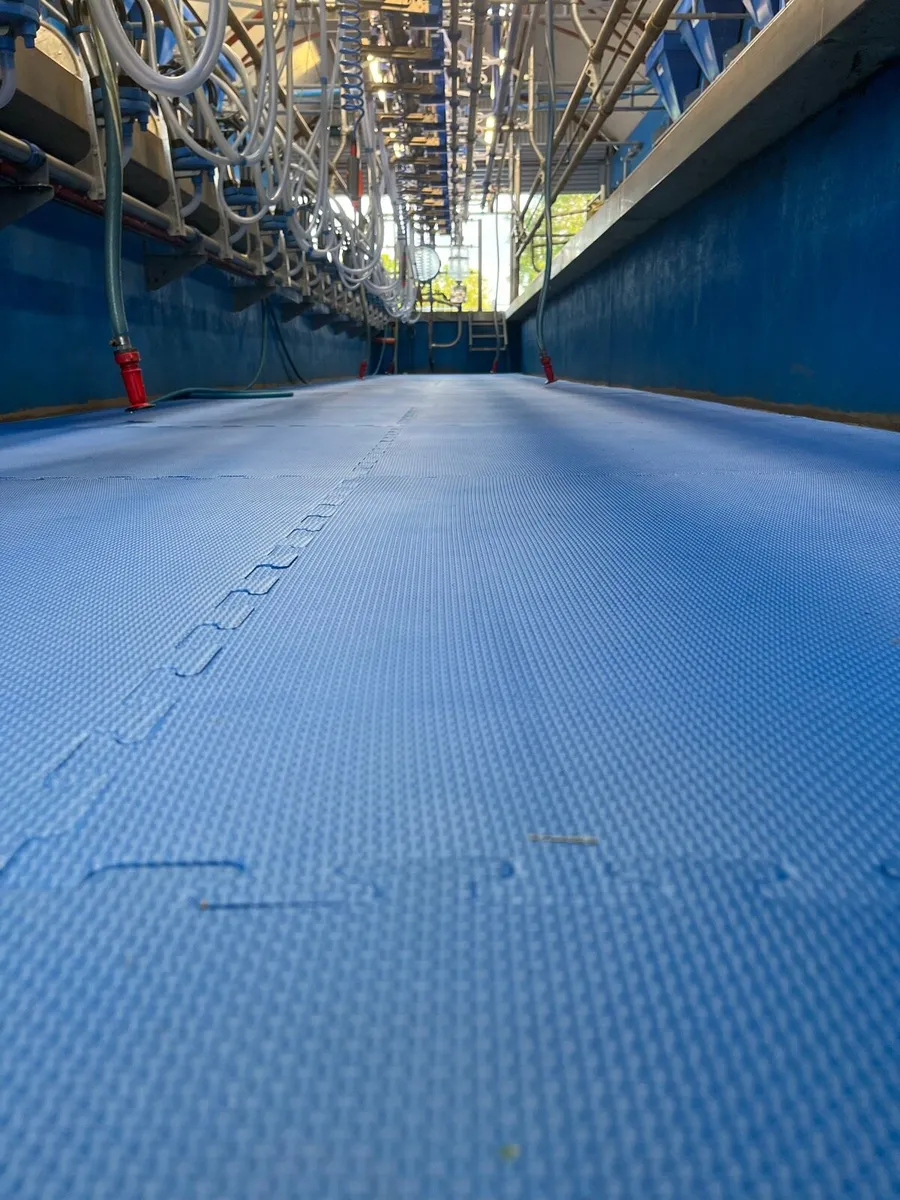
{"x":119,"y":402}
{"x":871,"y":420}
{"x":802,"y":61}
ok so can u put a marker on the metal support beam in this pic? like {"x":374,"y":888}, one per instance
{"x":17,"y":200}
{"x":318,"y":320}
{"x":502,"y":106}
{"x":291,"y":309}
{"x":454,"y":73}
{"x":246,"y":297}
{"x":163,"y":269}
{"x":653,"y":28}
{"x":479,"y":12}
{"x":27,"y":188}
{"x":601,"y":42}
{"x":351,"y":328}
{"x":480,"y":245}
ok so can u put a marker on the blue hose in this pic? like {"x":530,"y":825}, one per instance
{"x":112,"y":223}
{"x":283,"y":347}
{"x":204,"y":393}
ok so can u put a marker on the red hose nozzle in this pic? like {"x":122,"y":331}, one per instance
{"x":548,"y":368}
{"x":363,"y":367}
{"x":130,"y":365}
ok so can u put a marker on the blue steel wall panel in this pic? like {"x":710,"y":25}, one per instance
{"x":56,"y":330}
{"x":780,"y":283}
{"x":458,"y":359}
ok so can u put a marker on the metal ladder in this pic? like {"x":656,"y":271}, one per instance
{"x":483,"y":333}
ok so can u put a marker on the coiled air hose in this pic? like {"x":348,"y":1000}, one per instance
{"x":350,"y":44}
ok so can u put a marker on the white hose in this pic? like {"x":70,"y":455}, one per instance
{"x":195,"y":201}
{"x":124,"y":53}
{"x":282,"y":170}
{"x":255,"y":149}
{"x":172,"y":121}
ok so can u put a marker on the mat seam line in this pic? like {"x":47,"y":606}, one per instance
{"x":87,"y":748}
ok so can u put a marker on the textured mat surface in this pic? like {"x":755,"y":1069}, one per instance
{"x":449,"y":788}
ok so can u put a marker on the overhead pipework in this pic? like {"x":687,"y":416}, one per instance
{"x":625,"y":71}
{"x":315,"y":146}
{"x":262,"y":147}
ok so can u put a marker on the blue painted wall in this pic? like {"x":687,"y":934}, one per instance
{"x":458,"y":359}
{"x":55,"y":328}
{"x":782,"y":283}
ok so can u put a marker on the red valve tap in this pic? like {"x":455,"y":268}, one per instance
{"x":129,"y":361}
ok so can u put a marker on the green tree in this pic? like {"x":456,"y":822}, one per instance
{"x":442,"y":288}
{"x":569,"y":214}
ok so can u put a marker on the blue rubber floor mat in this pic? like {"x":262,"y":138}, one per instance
{"x":446,"y":788}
